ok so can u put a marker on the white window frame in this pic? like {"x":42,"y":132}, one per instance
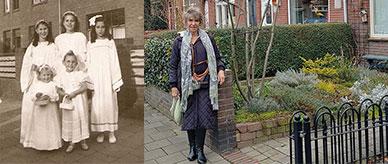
{"x":262,"y":12}
{"x":225,"y":21}
{"x":7,"y":6}
{"x":372,"y":32}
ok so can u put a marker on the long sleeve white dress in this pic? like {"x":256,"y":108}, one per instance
{"x":104,"y":71}
{"x":43,"y":53}
{"x":43,"y":132}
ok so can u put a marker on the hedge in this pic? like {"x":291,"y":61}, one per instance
{"x":309,"y":41}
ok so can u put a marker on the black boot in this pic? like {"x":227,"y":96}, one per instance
{"x":200,"y":141}
{"x":193,"y":151}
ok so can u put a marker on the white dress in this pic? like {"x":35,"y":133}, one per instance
{"x":43,"y":131}
{"x":75,"y":122}
{"x":104,"y":71}
{"x":76,"y":42}
{"x":43,"y":53}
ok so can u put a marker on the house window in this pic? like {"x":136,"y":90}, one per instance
{"x":15,"y":4}
{"x":115,"y":19}
{"x":308,"y":11}
{"x":379,"y":19}
{"x":16,"y":38}
{"x":7,"y":41}
{"x":7,"y":6}
{"x":269,"y":14}
{"x":37,"y":2}
{"x":222,"y":16}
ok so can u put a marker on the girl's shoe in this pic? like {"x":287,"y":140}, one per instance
{"x":84,"y":146}
{"x":112,"y":138}
{"x":70,"y":148}
{"x":100,"y":138}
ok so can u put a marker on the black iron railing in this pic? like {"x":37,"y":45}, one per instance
{"x":348,"y":135}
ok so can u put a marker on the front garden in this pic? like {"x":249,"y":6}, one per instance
{"x":310,"y":66}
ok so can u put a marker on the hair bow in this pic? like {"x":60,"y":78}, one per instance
{"x":92,"y":20}
{"x":44,"y":66}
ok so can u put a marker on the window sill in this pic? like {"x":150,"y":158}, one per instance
{"x":378,"y":39}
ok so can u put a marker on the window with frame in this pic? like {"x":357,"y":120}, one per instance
{"x":308,"y":11}
{"x":7,"y":6}
{"x":7,"y":41}
{"x":269,"y":14}
{"x":222,"y":13}
{"x":15,"y":4}
{"x":378,"y":18}
{"x":16,"y":39}
{"x":115,"y":19}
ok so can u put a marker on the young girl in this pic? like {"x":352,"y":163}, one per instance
{"x":41,"y":51}
{"x":104,"y":71}
{"x":72,"y":84}
{"x":43,"y":131}
{"x":71,"y":39}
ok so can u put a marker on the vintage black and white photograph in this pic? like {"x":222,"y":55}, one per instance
{"x":71,"y":81}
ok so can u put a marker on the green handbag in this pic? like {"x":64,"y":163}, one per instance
{"x":176,"y":110}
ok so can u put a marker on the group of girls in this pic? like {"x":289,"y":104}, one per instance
{"x":63,"y":70}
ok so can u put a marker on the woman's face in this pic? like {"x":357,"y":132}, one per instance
{"x":42,"y":31}
{"x":69,"y":23}
{"x":100,"y":29}
{"x":193,"y":25}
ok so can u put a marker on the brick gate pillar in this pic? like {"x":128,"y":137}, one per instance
{"x":223,"y":138}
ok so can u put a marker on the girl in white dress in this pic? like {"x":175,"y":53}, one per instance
{"x":104,"y":71}
{"x":43,"y":131}
{"x":41,"y":51}
{"x":72,"y":84}
{"x":72,"y":39}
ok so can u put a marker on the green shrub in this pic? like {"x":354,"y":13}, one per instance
{"x":263,"y":104}
{"x":158,"y":52}
{"x":293,"y":79}
{"x":309,"y":41}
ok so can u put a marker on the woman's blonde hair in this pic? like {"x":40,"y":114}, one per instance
{"x":193,"y":12}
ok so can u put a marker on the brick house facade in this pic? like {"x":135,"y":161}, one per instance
{"x":19,"y":16}
{"x":297,"y":12}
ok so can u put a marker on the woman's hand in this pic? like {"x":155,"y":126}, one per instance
{"x":221,"y":77}
{"x":174,"y":92}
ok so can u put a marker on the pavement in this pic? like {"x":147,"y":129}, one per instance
{"x":165,"y":143}
{"x":126,"y":150}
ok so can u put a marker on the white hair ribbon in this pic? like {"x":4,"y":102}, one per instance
{"x":92,"y":20}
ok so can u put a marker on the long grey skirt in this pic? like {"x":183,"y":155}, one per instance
{"x":199,"y":113}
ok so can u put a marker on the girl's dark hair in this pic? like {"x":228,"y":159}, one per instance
{"x":49,"y":38}
{"x":76,"y":26}
{"x":93,"y":34}
{"x":70,"y":53}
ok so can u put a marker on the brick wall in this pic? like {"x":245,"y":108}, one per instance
{"x":336,"y":14}
{"x":222,"y":139}
{"x":365,"y":45}
{"x":283,"y":13}
{"x":259,"y":132}
{"x":28,"y":15}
